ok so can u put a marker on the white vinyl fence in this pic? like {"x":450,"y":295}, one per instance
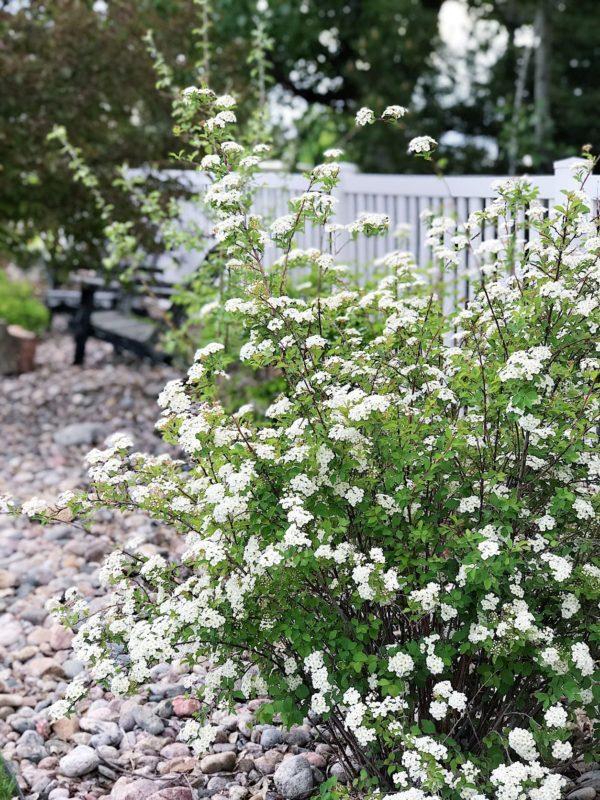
{"x":403,"y":198}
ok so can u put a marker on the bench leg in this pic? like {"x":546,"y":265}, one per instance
{"x":81,"y":338}
{"x":81,"y":324}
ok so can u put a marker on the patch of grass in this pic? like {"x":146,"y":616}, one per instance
{"x":8,"y":787}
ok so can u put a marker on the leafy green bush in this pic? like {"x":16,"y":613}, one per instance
{"x":404,"y":544}
{"x":19,"y":306}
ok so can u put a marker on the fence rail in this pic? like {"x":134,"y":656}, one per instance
{"x":402,"y":197}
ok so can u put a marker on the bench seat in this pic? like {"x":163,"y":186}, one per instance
{"x":68,"y":300}
{"x":128,"y":332}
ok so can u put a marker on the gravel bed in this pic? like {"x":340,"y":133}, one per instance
{"x":125,"y":749}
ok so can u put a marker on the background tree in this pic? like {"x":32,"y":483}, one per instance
{"x":64,"y":62}
{"x":84,"y":64}
{"x":536,"y":101}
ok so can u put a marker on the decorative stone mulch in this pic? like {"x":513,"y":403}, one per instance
{"x":125,"y":749}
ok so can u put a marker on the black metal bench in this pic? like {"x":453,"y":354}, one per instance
{"x":116,"y":313}
{"x":67,"y":301}
{"x":122,"y":318}
{"x":129,"y":316}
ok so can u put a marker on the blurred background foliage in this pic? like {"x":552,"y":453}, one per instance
{"x":505,"y":85}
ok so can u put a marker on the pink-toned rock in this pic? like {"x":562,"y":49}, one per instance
{"x":150,"y":743}
{"x":44,"y":666}
{"x":90,"y":721}
{"x":185,"y":706}
{"x":48,"y":763}
{"x":65,"y":728}
{"x":175,"y":750}
{"x":127,"y":789}
{"x":183,"y":764}
{"x":268,"y":763}
{"x":315,"y":760}
{"x":10,"y":632}
{"x":42,"y":727}
{"x":179,"y":765}
{"x":7,"y":579}
{"x":174,"y":793}
{"x":25,"y":653}
{"x":16,"y":700}
{"x":60,"y":638}
{"x":39,"y":636}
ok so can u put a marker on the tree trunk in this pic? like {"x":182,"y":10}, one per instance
{"x":541,"y":89}
{"x":520,"y":86}
{"x":17,"y":349}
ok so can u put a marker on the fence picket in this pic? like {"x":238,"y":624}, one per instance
{"x":402,"y":198}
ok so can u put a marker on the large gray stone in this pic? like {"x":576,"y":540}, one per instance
{"x":79,"y":433}
{"x":271,"y":737}
{"x":80,"y":761}
{"x":147,"y":720}
{"x":592,"y":777}
{"x":31,"y":747}
{"x":585,"y":793}
{"x":293,"y":778}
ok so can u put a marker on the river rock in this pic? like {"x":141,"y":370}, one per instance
{"x":31,"y":747}
{"x":298,"y":736}
{"x":127,"y":788}
{"x":65,"y":728}
{"x":271,"y":737}
{"x":218,"y":762}
{"x":293,"y":778}
{"x":7,"y":579}
{"x":268,"y":763}
{"x":10,"y":632}
{"x":79,"y":433}
{"x":80,"y":761}
{"x":585,"y":793}
{"x":185,"y":706}
{"x":174,"y":793}
{"x":175,"y":750}
{"x":147,"y":720}
{"x":337,"y":770}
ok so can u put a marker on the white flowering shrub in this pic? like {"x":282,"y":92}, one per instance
{"x":402,"y":543}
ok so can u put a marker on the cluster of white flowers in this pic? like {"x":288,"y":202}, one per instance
{"x":394,"y":112}
{"x":446,"y":699}
{"x":422,"y":144}
{"x":199,"y":736}
{"x":525,"y":364}
{"x":556,"y":717}
{"x":523,"y":743}
{"x":365,"y":116}
{"x":369,"y":224}
{"x":401,"y":664}
{"x":34,"y":506}
{"x":526,"y":780}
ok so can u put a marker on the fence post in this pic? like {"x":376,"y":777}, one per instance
{"x":564,"y":177}
{"x":347,"y":171}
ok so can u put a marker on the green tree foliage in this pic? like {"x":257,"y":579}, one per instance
{"x":559,"y":83}
{"x":62,"y":62}
{"x":85,"y":65}
{"x":337,"y":56}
